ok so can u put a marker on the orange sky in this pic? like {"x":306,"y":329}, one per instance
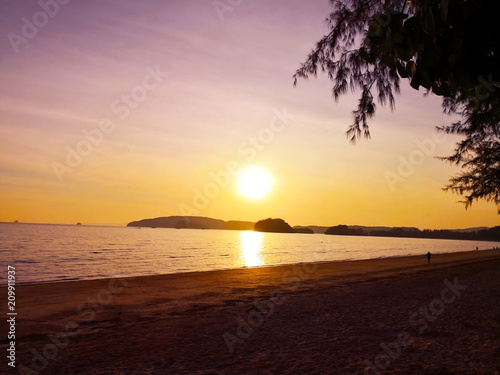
{"x":113,"y":111}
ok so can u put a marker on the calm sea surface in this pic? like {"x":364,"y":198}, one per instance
{"x":48,"y":253}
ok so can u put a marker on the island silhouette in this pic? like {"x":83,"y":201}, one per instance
{"x":192,"y":222}
{"x":273,"y":226}
{"x":278,"y":225}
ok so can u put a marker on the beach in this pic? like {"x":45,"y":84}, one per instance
{"x":379,"y":316}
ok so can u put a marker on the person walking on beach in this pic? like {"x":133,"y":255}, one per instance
{"x":428,"y":255}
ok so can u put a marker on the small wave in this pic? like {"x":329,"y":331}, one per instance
{"x":67,"y":278}
{"x":100,"y":275}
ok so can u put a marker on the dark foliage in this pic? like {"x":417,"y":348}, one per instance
{"x":448,"y":47}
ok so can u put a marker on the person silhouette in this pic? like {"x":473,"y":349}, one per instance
{"x":428,"y":255}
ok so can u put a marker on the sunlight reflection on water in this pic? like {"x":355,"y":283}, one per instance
{"x":42,"y":252}
{"x":251,"y":248}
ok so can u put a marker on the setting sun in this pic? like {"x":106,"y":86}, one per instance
{"x":254,"y":182}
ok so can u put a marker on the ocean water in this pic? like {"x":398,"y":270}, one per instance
{"x":50,"y":253}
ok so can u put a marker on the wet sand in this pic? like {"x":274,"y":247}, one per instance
{"x":387,"y":316}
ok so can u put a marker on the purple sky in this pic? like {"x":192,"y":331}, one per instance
{"x":218,"y":83}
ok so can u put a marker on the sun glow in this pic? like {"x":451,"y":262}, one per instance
{"x":254,"y":182}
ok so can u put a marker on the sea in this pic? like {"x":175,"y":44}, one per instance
{"x":42,"y":253}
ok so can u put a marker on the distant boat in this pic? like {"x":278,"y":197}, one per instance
{"x":78,"y":223}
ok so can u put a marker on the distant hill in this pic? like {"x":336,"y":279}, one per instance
{"x":381,"y":230}
{"x":239,"y":225}
{"x":314,"y":228}
{"x":273,"y":225}
{"x":192,"y":222}
{"x":364,"y":230}
{"x":473,"y":234}
{"x":466,"y":230}
{"x":303,"y":230}
{"x":344,"y":230}
{"x":198,"y":222}
{"x":368,"y":230}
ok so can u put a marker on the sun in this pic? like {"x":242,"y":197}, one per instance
{"x":254,"y":182}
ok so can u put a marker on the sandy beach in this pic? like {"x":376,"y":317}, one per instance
{"x":383,"y":316}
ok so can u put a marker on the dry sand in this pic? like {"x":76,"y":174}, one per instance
{"x":387,"y":316}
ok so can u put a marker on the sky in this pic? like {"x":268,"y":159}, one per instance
{"x":114,"y":111}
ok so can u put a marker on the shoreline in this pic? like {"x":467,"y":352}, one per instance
{"x":434,"y":255}
{"x":324,"y":317}
{"x":287,"y":277}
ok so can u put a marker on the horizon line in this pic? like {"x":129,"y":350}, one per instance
{"x":298,"y":225}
